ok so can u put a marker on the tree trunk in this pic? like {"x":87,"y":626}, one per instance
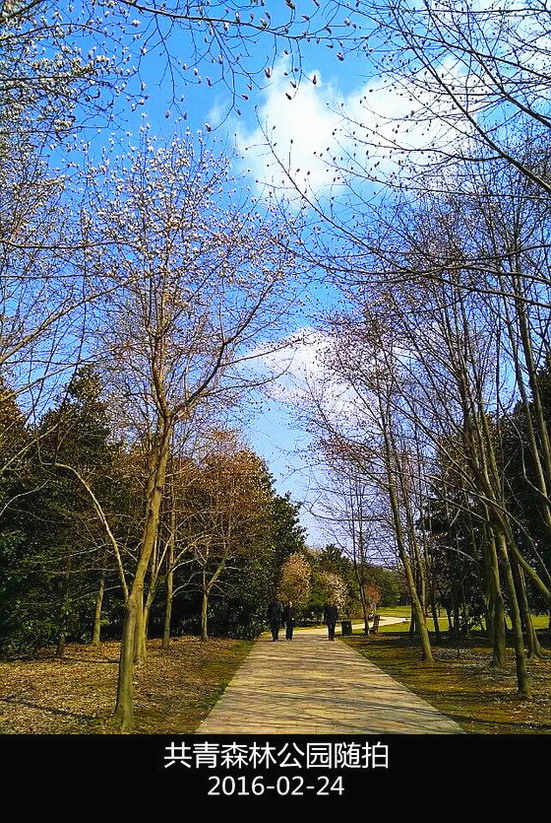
{"x":140,"y":647}
{"x":207,"y":587}
{"x":417,"y":609}
{"x":435,"y":617}
{"x":497,"y":606}
{"x":60,"y":651}
{"x":96,"y":628}
{"x":168,"y":609}
{"x":534,"y":648}
{"x":363,"y":599}
{"x":456,"y":620}
{"x":365,"y":611}
{"x":146,"y":615}
{"x":124,"y":712}
{"x":204,"y":613}
{"x":134,"y":607}
{"x":523,"y":681}
{"x":411,"y":630}
{"x":169,"y":581}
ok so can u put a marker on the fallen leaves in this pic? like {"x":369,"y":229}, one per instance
{"x":75,"y":694}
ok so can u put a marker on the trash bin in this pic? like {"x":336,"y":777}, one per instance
{"x":346,"y":627}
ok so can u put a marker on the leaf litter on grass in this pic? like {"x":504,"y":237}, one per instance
{"x":75,"y":694}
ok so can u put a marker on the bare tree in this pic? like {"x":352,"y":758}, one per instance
{"x":474,"y":80}
{"x":370,"y":433}
{"x":228,"y":508}
{"x":294,"y":583}
{"x":66,"y":65}
{"x":195,"y":293}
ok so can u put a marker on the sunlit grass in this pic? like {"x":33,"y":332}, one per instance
{"x":461,"y":682}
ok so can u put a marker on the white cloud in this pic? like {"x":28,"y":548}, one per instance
{"x":296,"y":364}
{"x":293,"y":134}
{"x":302,"y":374}
{"x":313,"y":138}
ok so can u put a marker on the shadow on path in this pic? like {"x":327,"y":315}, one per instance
{"x":313,"y":686}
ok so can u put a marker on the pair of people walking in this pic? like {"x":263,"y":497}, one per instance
{"x":278,"y":615}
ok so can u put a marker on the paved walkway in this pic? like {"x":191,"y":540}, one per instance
{"x":314,"y":686}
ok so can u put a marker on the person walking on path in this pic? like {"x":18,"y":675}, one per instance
{"x":289,"y":620}
{"x":330,"y":616}
{"x":275,"y":614}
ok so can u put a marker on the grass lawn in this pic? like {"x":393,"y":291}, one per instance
{"x":540,"y":621}
{"x":174,"y":690}
{"x":396,"y":611}
{"x":461,"y":683}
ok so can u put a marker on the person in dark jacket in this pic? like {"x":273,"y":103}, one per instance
{"x":275,"y":613}
{"x":289,"y":620}
{"x":330,"y":616}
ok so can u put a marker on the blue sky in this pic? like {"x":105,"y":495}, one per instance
{"x":306,"y":119}
{"x":308,"y":123}
{"x":305,"y":123}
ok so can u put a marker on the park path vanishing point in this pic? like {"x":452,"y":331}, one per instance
{"x":313,"y":686}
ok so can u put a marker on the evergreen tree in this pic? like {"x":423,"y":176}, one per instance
{"x":61,"y":547}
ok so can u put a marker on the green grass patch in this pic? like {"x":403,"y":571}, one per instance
{"x":404,"y":627}
{"x":395,"y":611}
{"x":540,"y":621}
